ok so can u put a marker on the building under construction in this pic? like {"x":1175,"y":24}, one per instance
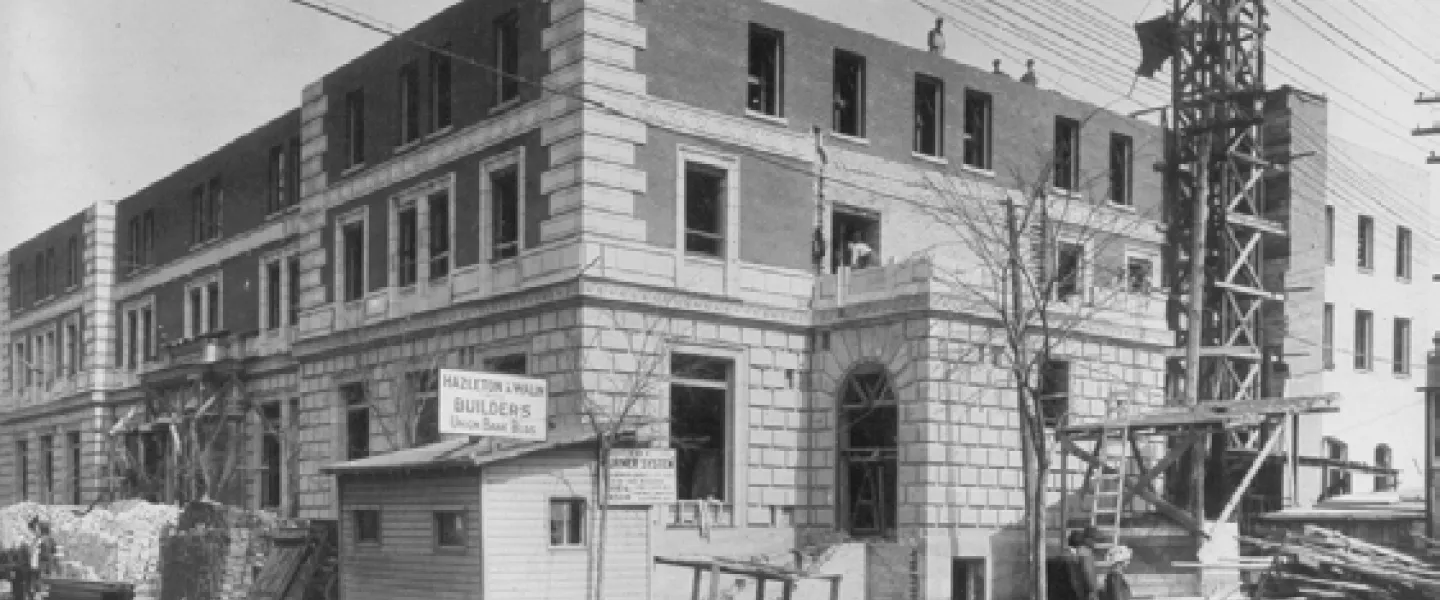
{"x":784,"y":240}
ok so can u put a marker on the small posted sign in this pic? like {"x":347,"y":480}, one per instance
{"x":492,"y":405}
{"x":641,"y":476}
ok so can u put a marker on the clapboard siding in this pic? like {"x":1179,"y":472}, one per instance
{"x":519,"y":562}
{"x":406,"y":564}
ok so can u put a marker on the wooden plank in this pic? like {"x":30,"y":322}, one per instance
{"x":1181,"y":517}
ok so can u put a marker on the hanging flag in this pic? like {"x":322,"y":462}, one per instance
{"x":1157,"y":44}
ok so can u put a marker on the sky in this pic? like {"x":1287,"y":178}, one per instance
{"x":100,"y":98}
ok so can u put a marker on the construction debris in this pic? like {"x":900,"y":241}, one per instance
{"x":119,"y":543}
{"x":1321,"y":563}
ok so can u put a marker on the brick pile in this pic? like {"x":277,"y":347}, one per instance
{"x":118,"y":543}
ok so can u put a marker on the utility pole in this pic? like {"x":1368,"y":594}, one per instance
{"x":1432,"y":101}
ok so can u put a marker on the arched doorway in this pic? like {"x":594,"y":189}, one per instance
{"x":868,"y":464}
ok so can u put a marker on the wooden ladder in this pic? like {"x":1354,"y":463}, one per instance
{"x":1107,"y":500}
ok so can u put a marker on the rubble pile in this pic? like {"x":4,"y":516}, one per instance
{"x":1321,"y":563}
{"x":118,"y":543}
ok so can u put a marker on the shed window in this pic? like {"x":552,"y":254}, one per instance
{"x":367,"y":526}
{"x":450,"y":531}
{"x":849,"y":90}
{"x":567,"y":521}
{"x":767,"y":61}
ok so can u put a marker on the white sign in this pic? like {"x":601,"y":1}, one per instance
{"x":492,"y":405}
{"x":641,"y":476}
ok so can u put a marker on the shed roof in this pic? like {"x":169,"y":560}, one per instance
{"x":455,"y":453}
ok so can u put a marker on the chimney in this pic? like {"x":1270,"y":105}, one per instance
{"x":997,"y":67}
{"x":937,"y":37}
{"x":1029,"y":76}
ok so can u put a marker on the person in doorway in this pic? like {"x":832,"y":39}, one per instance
{"x":1081,"y":555}
{"x":1116,"y":588}
{"x":860,"y":251}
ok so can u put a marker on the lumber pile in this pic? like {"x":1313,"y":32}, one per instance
{"x":117,"y":543}
{"x":1320,"y":563}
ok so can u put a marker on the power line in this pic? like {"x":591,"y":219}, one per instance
{"x":1382,"y":23}
{"x":1352,"y":40}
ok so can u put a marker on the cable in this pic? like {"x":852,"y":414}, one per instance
{"x":1352,"y":40}
{"x":1382,"y":23}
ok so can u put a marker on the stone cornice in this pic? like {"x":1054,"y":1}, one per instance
{"x":442,"y":151}
{"x":54,"y":309}
{"x":211,"y":256}
{"x":687,"y":302}
{"x":74,"y":403}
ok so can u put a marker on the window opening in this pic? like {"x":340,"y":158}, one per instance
{"x":1069,"y":270}
{"x":271,"y":450}
{"x":1122,"y":162}
{"x":505,"y":213}
{"x":567,"y":521}
{"x":1054,"y":390}
{"x":1067,"y":154}
{"x":408,"y":234}
{"x":849,"y":117}
{"x":869,"y":456}
{"x":355,"y":127}
{"x":704,"y":209}
{"x":439,"y":235}
{"x":1364,"y":334}
{"x":450,"y":531}
{"x":929,"y":116}
{"x":767,"y":60}
{"x":699,"y":425}
{"x":1401,"y":351}
{"x":357,"y":420}
{"x":367,"y":526}
{"x":855,"y":239}
{"x":273,"y":295}
{"x":507,"y":57}
{"x":409,"y":103}
{"x":1365,"y":243}
{"x":440,"y":86}
{"x":1139,"y":275}
{"x":354,"y":247}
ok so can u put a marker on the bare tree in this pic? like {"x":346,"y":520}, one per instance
{"x":1031,"y":258}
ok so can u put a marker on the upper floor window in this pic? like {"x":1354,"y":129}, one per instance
{"x":1054,"y":390}
{"x":1402,"y":253}
{"x":1067,"y":154}
{"x":1122,"y":163}
{"x":929,"y":116}
{"x":274,"y":294}
{"x":1330,"y":235}
{"x":75,"y":269}
{"x":765,"y":92}
{"x":1069,"y":270}
{"x":1327,"y":337}
{"x":855,"y":238}
{"x":1365,"y":243}
{"x":293,"y":267}
{"x":354,"y":116}
{"x":705,"y":209}
{"x":1364,"y":339}
{"x":202,"y":306}
{"x":407,"y":232}
{"x":357,"y":420}
{"x":142,"y":239}
{"x":207,"y":204}
{"x":505,"y":214}
{"x":20,"y":279}
{"x":439,"y":206}
{"x":283,"y":186}
{"x":849,"y":91}
{"x":440,"y":90}
{"x":1401,"y":354}
{"x":1139,"y":274}
{"x":42,"y":276}
{"x":72,"y":347}
{"x":352,"y":253}
{"x":977,"y":129}
{"x":507,"y":57}
{"x":138,"y":334}
{"x":409,"y":103}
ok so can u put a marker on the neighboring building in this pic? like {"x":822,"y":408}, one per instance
{"x":419,"y":211}
{"x":1356,"y":321}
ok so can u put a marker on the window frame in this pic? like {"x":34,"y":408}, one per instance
{"x":145,"y":345}
{"x":420,"y":198}
{"x":343,"y":278}
{"x":272,"y":291}
{"x":73,"y":344}
{"x":729,"y":165}
{"x":1122,"y":170}
{"x":288,"y":291}
{"x":47,"y":468}
{"x":1365,"y":243}
{"x":978,"y":101}
{"x":1404,"y":253}
{"x":349,"y":406}
{"x":583,"y":529}
{"x":74,"y":442}
{"x":505,"y":30}
{"x":1330,"y":234}
{"x":838,"y":60}
{"x":278,"y":179}
{"x":1067,"y":130}
{"x":772,"y":85}
{"x":937,"y":126}
{"x":731,"y":486}
{"x":211,"y":318}
{"x":1082,"y":275}
{"x":265,"y":487}
{"x":1401,"y":331}
{"x":76,"y":268}
{"x":442,"y":90}
{"x":1150,"y":257}
{"x":354,"y":122}
{"x":437,"y":538}
{"x":1364,"y":343}
{"x":356,"y":514}
{"x":408,"y":102}
{"x":500,"y":164}
{"x":1327,"y":337}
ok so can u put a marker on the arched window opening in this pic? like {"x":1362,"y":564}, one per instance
{"x":1384,"y":459}
{"x":868,"y":463}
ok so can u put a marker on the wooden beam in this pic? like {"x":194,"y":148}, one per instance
{"x":1214,"y":413}
{"x":1177,"y":514}
{"x":1239,"y":492}
{"x":1171,"y":457}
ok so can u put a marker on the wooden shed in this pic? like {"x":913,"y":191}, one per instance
{"x":465,"y":519}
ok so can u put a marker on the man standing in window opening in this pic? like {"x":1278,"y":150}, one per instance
{"x":860,"y":251}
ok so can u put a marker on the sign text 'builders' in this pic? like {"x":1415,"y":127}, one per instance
{"x":492,"y":405}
